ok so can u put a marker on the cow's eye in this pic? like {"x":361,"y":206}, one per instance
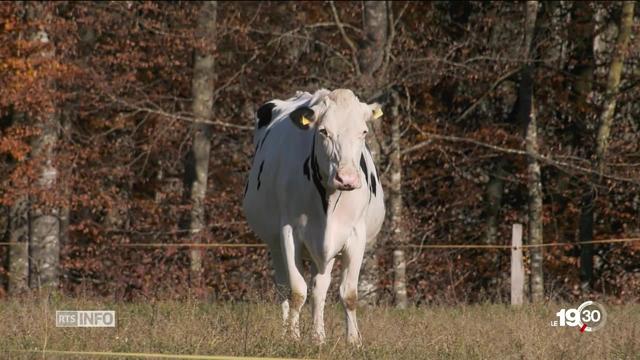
{"x":323,"y":132}
{"x":365,"y":132}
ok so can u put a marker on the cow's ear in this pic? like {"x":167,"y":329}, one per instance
{"x":265,"y":114}
{"x":376,"y":111}
{"x":303,"y":117}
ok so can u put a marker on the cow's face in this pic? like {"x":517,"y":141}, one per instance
{"x":339,"y":123}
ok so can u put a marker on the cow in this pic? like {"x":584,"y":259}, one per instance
{"x":313,"y":191}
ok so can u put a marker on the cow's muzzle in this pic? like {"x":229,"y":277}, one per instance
{"x":347,"y":179}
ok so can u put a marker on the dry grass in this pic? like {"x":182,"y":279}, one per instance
{"x":253,"y":329}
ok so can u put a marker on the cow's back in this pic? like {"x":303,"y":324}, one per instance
{"x":279,"y":148}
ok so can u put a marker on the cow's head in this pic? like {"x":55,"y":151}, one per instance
{"x":339,"y":123}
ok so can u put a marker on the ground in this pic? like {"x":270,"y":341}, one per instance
{"x":486,"y":331}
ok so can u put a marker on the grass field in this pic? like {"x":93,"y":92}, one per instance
{"x":253,"y":329}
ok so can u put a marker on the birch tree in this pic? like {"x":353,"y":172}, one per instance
{"x":370,"y":59}
{"x":202,"y":90}
{"x":527,"y":116}
{"x":44,"y":244}
{"x":602,"y":142}
{"x":396,"y":206}
{"x":19,"y":239}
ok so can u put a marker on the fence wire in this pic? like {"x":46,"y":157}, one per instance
{"x":400,"y":246}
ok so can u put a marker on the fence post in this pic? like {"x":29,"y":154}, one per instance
{"x":400,"y":279}
{"x":517,"y":266}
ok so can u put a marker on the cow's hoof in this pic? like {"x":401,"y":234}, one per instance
{"x":355,"y":341}
{"x":318,"y":339}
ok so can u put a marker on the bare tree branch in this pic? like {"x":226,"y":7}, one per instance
{"x":544,"y":158}
{"x":161,"y":112}
{"x":493,"y":86}
{"x":354,"y":49}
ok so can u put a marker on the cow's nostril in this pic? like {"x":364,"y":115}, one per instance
{"x":347,"y":180}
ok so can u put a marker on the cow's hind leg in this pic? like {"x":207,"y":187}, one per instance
{"x":282,"y":281}
{"x":351,"y":262}
{"x":319,"y":288}
{"x":293,"y":259}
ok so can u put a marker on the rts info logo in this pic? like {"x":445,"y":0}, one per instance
{"x":588,"y":317}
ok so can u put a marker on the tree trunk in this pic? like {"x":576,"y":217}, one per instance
{"x":19,"y":248}
{"x":582,"y":29}
{"x":18,"y":264}
{"x":44,"y":244}
{"x":527,"y":116}
{"x":396,"y":206}
{"x":602,"y":144}
{"x":613,"y":84}
{"x":371,"y":53}
{"x":370,"y":58}
{"x":202,"y":89}
{"x":535,"y":209}
{"x":493,"y":204}
{"x":495,"y":190}
{"x":582,"y":25}
{"x":559,"y":19}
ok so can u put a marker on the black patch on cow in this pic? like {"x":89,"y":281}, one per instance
{"x":297,"y":114}
{"x":264,"y":138}
{"x":317,"y":178}
{"x":264,"y":114}
{"x":260,"y":173}
{"x":363,"y":166}
{"x":305,"y":168}
{"x":317,"y":181}
{"x":373,"y":184}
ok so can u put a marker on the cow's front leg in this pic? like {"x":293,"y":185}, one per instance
{"x":352,"y":260}
{"x":319,"y":289}
{"x":293,"y":259}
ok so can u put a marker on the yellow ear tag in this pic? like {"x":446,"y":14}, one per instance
{"x":377,"y":113}
{"x":304,"y":121}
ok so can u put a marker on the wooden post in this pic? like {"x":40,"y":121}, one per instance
{"x":400,"y":279}
{"x":517,"y":267}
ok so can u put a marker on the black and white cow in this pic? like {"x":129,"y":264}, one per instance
{"x":313,"y":188}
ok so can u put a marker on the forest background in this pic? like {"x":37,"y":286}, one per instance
{"x":131,"y":123}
